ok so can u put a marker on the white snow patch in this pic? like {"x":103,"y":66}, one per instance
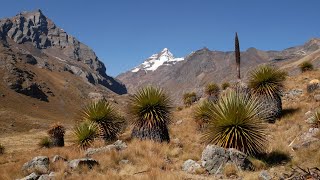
{"x":135,"y":70}
{"x":157,"y":60}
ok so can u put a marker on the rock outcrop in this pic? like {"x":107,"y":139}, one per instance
{"x":36,"y":40}
{"x":215,"y":158}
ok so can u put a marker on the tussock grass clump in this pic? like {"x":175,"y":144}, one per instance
{"x":105,"y":116}
{"x":202,"y":113}
{"x":150,"y":109}
{"x":85,"y":133}
{"x":56,"y":134}
{"x":235,"y":122}
{"x":225,"y":85}
{"x":212,"y":89}
{"x":306,"y":66}
{"x":189,"y":98}
{"x":45,"y":142}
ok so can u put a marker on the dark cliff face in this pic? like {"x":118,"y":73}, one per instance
{"x":204,"y":66}
{"x":33,"y":28}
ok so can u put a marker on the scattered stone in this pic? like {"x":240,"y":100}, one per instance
{"x":313,"y":85}
{"x":118,"y":145}
{"x":292,"y":94}
{"x":310,"y":120}
{"x":306,"y":139}
{"x":308,"y":114}
{"x":50,"y":176}
{"x":214,"y":159}
{"x":57,"y":158}
{"x":179,"y":122}
{"x":38,"y":164}
{"x":96,"y":96}
{"x":317,"y":97}
{"x":32,"y":176}
{"x":190,"y":166}
{"x":88,"y":162}
{"x":264,"y":175}
{"x":124,"y":161}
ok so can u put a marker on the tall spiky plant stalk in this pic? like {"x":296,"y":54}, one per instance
{"x":237,"y":53}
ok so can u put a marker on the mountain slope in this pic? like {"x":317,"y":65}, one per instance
{"x":46,"y":75}
{"x":204,"y":66}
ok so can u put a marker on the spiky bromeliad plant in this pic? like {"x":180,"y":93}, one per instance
{"x":316,"y":119}
{"x":150,"y":109}
{"x":105,"y":116}
{"x":212,"y":90}
{"x":202,"y":114}
{"x":56,"y":134}
{"x":266,"y":83}
{"x":85,"y":133}
{"x":234,"y":122}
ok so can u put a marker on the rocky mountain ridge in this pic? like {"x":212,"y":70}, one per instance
{"x":204,"y":66}
{"x":34,"y":35}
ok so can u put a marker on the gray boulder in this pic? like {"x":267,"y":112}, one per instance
{"x":38,"y":164}
{"x":214,"y":159}
{"x":50,"y":176}
{"x":190,"y":166}
{"x":306,"y":139}
{"x":264,"y":175}
{"x":57,"y":158}
{"x":32,"y":176}
{"x":84,"y":162}
{"x":118,"y":145}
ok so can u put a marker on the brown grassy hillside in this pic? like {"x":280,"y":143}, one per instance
{"x":149,"y":160}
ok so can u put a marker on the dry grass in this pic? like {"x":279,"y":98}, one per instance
{"x":150,"y":160}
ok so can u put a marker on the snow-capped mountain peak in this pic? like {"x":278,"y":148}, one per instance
{"x":165,"y":57}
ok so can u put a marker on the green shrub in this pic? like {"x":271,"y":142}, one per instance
{"x":45,"y":142}
{"x":212,"y":89}
{"x":105,"y":116}
{"x":85,"y":133}
{"x":306,"y":66}
{"x":225,"y":85}
{"x":234,"y":122}
{"x":189,"y":98}
{"x":150,"y":109}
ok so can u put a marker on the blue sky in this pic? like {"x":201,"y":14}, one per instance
{"x":125,"y":32}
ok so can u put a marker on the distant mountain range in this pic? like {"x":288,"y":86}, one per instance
{"x":193,"y":72}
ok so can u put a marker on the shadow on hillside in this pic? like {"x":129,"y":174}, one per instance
{"x":274,"y":158}
{"x":289,"y":112}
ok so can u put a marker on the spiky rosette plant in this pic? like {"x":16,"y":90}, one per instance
{"x":56,"y":134}
{"x":105,"y":116}
{"x":150,"y":109}
{"x":316,"y":119}
{"x":212,"y":90}
{"x":266,"y":83}
{"x":85,"y":133}
{"x":234,"y":122}
{"x":202,"y":114}
{"x":306,"y":66}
